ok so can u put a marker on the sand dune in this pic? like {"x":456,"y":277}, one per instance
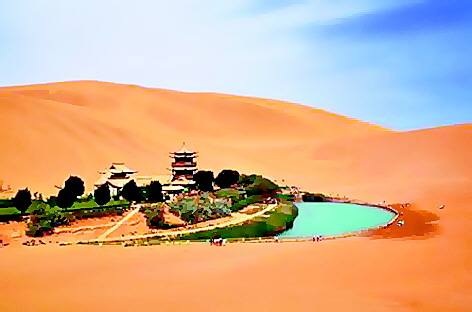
{"x":80,"y":127}
{"x":50,"y":131}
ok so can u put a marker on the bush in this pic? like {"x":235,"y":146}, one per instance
{"x":227,"y":178}
{"x":102,"y":194}
{"x":52,"y":201}
{"x":204,"y":180}
{"x":155,"y":217}
{"x":44,"y":218}
{"x":22,"y":200}
{"x":246,"y":180}
{"x":200,"y":208}
{"x":262,"y":186}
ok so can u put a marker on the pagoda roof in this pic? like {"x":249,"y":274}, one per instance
{"x":184,"y":150}
{"x":120,"y":168}
{"x":118,"y":183}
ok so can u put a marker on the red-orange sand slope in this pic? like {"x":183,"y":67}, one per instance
{"x":50,"y":131}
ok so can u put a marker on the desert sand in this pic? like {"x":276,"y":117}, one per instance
{"x":54,"y":130}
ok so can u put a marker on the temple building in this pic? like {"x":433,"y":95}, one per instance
{"x":116,"y":176}
{"x":183,"y":167}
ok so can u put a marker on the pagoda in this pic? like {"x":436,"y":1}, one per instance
{"x":184,"y":164}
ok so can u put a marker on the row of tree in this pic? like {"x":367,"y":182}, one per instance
{"x":74,"y":188}
{"x":204,"y":179}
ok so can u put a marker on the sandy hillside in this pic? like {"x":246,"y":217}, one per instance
{"x":80,"y":127}
{"x":54,"y":130}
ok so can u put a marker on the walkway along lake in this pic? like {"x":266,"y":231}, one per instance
{"x":330,"y":219}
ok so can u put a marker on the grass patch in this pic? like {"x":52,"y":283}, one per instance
{"x":90,"y":204}
{"x":6,"y":203}
{"x":246,"y":202}
{"x":280,"y":219}
{"x":7,"y":211}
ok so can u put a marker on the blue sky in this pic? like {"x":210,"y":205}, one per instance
{"x":404,"y":64}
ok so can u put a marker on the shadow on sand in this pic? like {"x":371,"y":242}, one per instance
{"x":415,"y":224}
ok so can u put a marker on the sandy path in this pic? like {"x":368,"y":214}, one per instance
{"x":241,"y":218}
{"x":119,"y":223}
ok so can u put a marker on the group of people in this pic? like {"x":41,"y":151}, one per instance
{"x":317,"y":238}
{"x":217,"y":242}
{"x":34,"y":242}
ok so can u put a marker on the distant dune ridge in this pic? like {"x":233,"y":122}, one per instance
{"x":50,"y":131}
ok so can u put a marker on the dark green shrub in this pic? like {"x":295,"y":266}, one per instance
{"x":262,"y":186}
{"x":246,"y":180}
{"x":44,"y":218}
{"x":155,"y":217}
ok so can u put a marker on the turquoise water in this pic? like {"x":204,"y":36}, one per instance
{"x":328,"y":219}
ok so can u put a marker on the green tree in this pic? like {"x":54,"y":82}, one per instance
{"x":227,"y":178}
{"x":204,"y":180}
{"x":102,"y":194}
{"x":131,"y":192}
{"x":65,"y":198}
{"x":75,"y":185}
{"x":22,"y":200}
{"x":154,"y":192}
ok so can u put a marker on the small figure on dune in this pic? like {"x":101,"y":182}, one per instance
{"x":442,"y":206}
